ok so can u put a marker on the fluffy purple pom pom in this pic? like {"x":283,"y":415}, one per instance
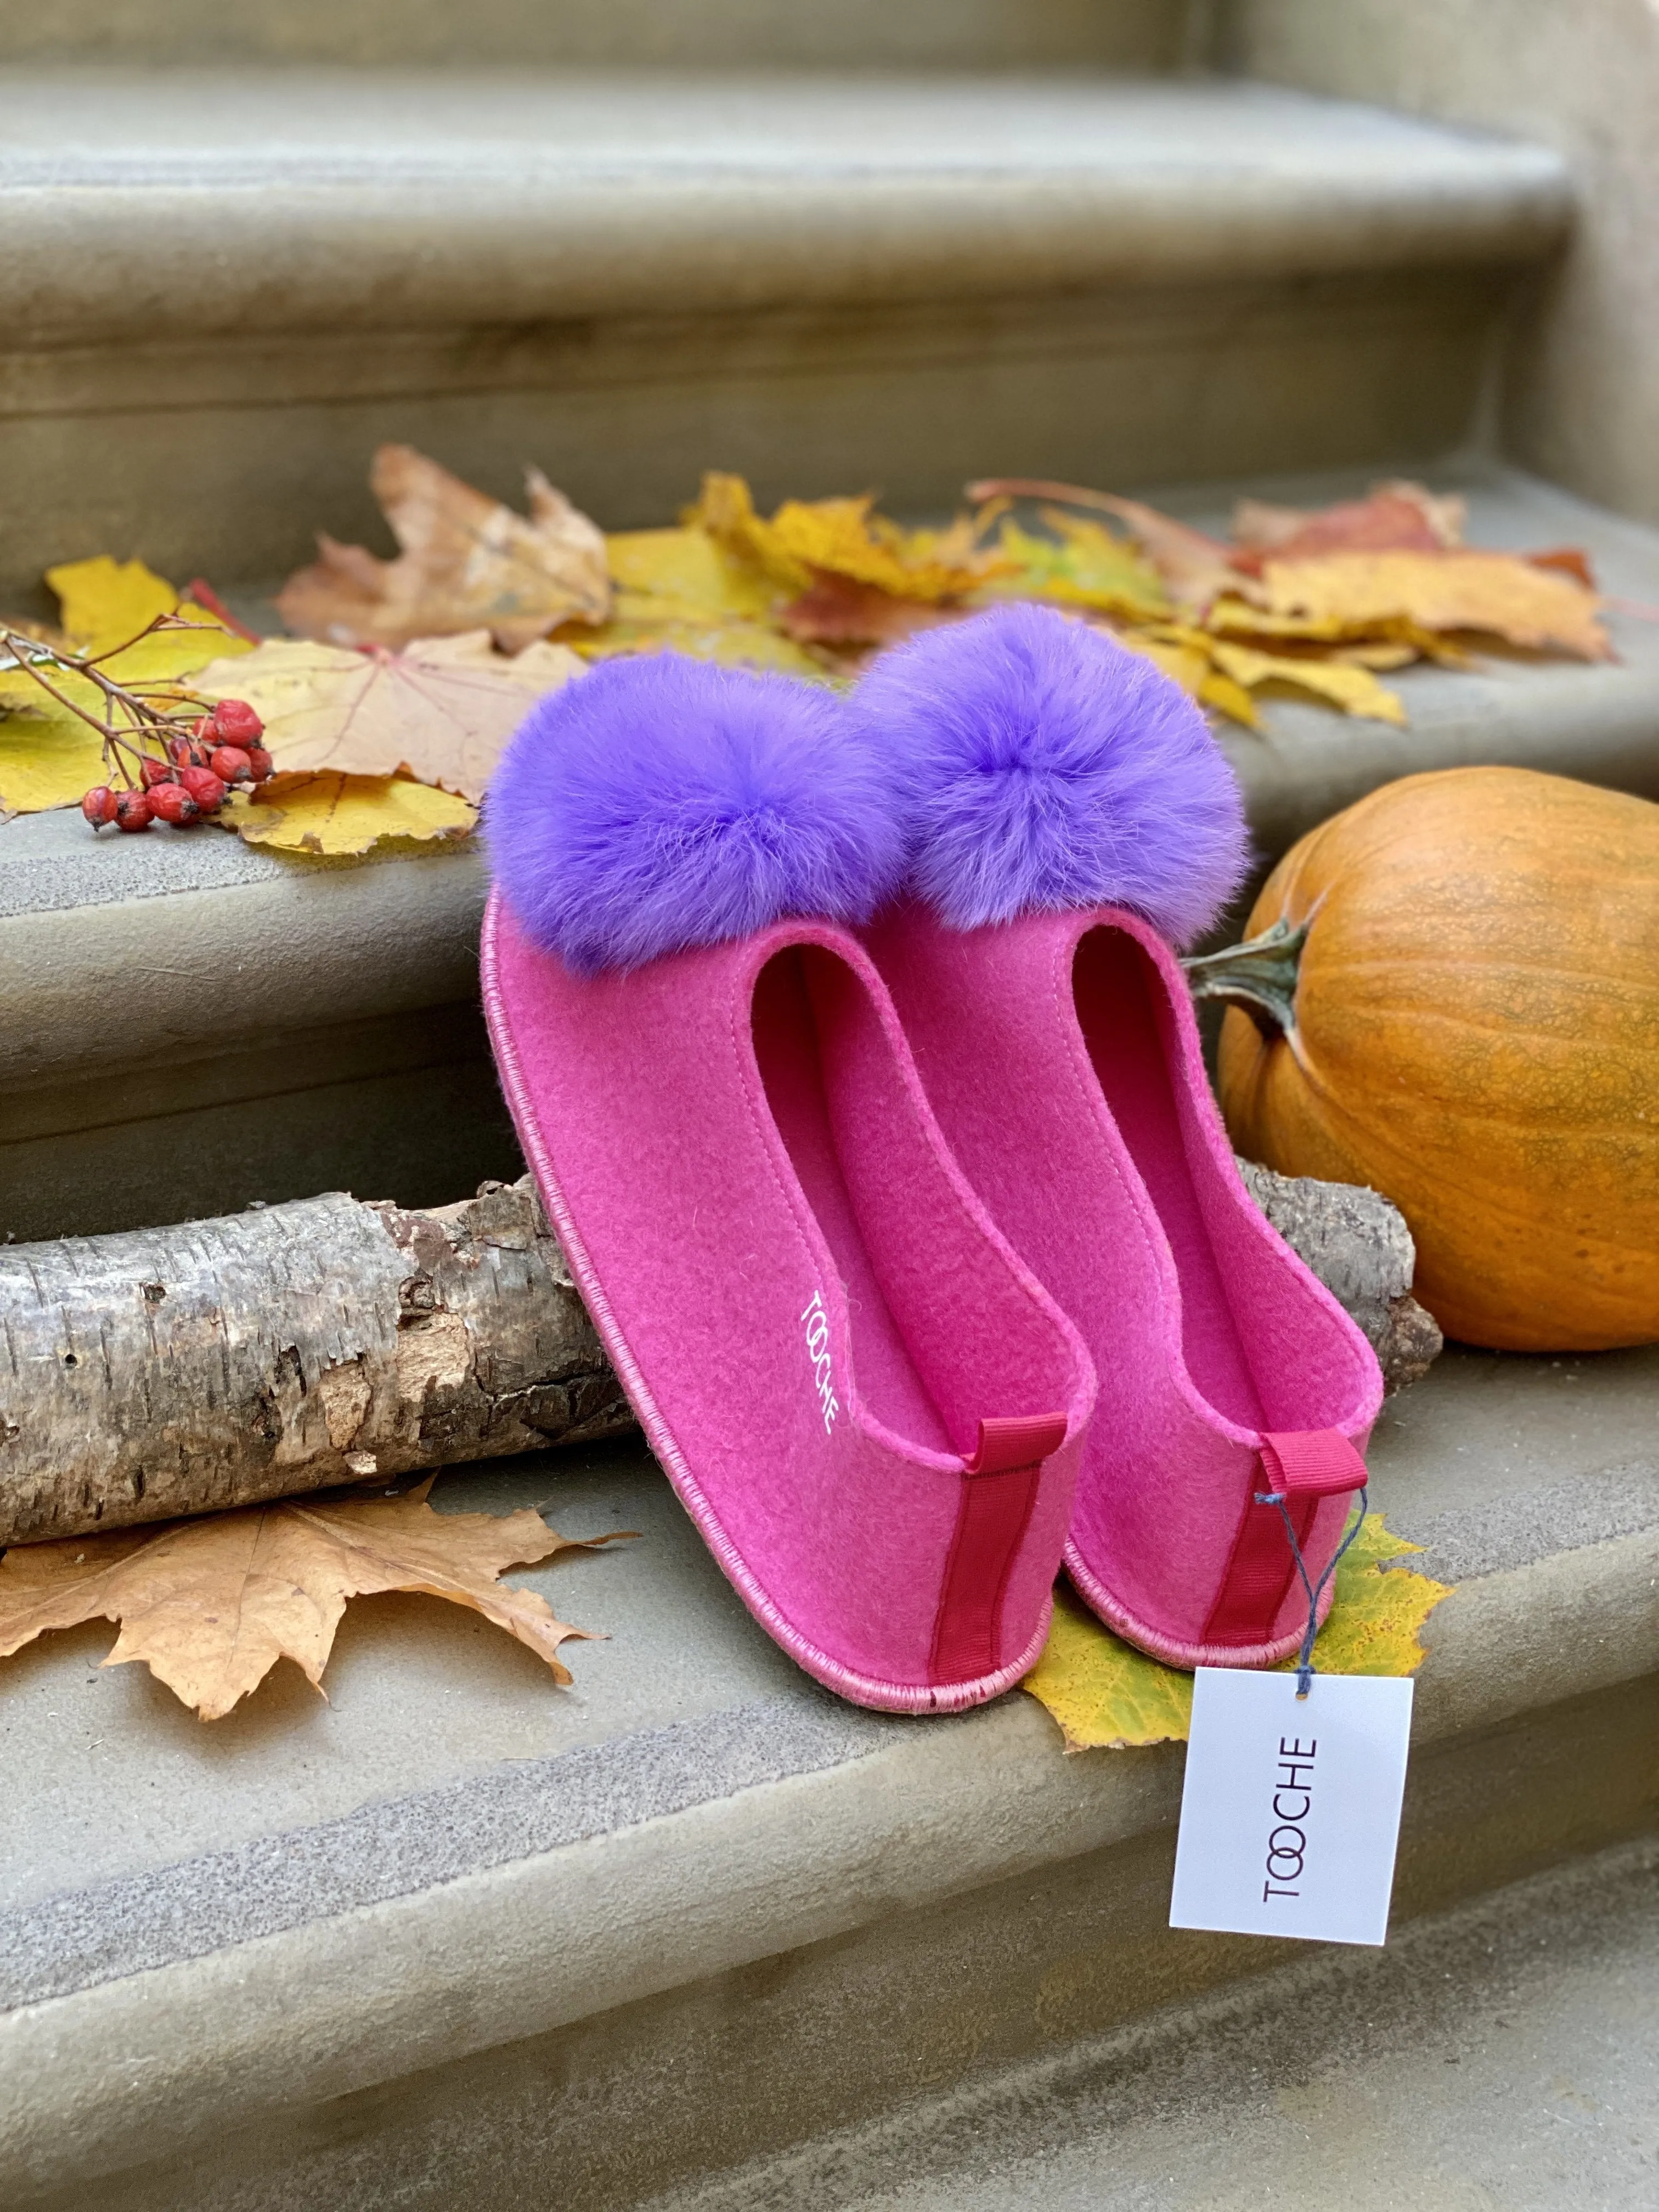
{"x":1047,"y":766}
{"x":664,"y":802}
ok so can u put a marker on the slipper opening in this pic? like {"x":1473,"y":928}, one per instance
{"x":943,"y":1333}
{"x":1258,"y":1342}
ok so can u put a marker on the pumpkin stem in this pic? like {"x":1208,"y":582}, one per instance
{"x":1259,"y":975}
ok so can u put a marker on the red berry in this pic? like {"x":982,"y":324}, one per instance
{"x":235,"y":723}
{"x":132,"y":810}
{"x":231,"y":764}
{"x":184,"y":752}
{"x":204,"y":787}
{"x":170,"y":802}
{"x":259,"y":763}
{"x":98,"y":805}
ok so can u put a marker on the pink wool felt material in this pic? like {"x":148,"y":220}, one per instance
{"x":1061,"y":1054}
{"x":810,"y":1310}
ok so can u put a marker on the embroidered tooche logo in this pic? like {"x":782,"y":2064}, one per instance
{"x":816,"y":1322}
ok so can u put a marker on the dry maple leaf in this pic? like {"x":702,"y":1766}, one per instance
{"x":1192,"y":567}
{"x":1399,"y":516}
{"x":1499,"y":592}
{"x":809,"y":538}
{"x":468,"y":562}
{"x":442,"y":709}
{"x":838,"y":610}
{"x":212,"y":1605}
{"x":322,"y":813}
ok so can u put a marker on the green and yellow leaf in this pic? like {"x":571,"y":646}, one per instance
{"x":1106,"y":1695}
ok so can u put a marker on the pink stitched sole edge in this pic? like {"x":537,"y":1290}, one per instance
{"x":861,"y":1689}
{"x":1123,"y":1622}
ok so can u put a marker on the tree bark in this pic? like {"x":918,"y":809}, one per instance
{"x":1357,"y":1244}
{"x":165,"y":1371}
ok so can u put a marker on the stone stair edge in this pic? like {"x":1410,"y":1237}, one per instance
{"x":838,"y":1820}
{"x":506,"y":202}
{"x":1150,"y":34}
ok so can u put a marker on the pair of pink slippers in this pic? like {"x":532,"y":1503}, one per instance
{"x":847,"y":1043}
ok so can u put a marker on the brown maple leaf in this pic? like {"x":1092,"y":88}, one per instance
{"x":212,"y":1605}
{"x":1392,"y":518}
{"x":442,"y":709}
{"x":840,"y":611}
{"x":468,"y":562}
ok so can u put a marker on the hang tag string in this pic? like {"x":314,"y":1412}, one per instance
{"x":1305,"y":1669}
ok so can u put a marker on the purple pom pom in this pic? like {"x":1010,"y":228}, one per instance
{"x":664,"y":802}
{"x":1046,"y":767}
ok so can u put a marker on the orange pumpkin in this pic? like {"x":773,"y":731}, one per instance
{"x":1452,"y":994}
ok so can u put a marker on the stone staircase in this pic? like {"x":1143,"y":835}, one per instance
{"x":827,"y":248}
{"x":692,"y":1931}
{"x":459,"y":1940}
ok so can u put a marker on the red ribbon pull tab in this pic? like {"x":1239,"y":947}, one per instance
{"x":998,"y":1489}
{"x":1302,"y":1466}
{"x":1312,"y":1463}
{"x":1022,"y":1441}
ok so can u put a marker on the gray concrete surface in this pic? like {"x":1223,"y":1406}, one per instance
{"x":1501,"y":2055}
{"x":571,"y":196}
{"x":1579,"y":400}
{"x":1129,"y":34}
{"x":821,"y":280}
{"x":212,"y":1930}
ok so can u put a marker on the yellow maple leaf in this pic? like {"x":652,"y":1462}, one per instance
{"x":48,"y":756}
{"x":683,"y":590}
{"x":725,"y":509}
{"x":104,"y":602}
{"x":1230,"y":617}
{"x":682,"y":571}
{"x":1344,"y":683}
{"x":1537,"y":608}
{"x":329,"y":815}
{"x":1373,"y":1627}
{"x":1105,"y":1695}
{"x":212,"y":1605}
{"x":847,"y":538}
{"x":728,"y":640}
{"x":841,"y":537}
{"x":161,"y":664}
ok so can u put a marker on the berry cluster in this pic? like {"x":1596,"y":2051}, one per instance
{"x":191,"y":776}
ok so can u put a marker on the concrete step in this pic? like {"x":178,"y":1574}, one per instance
{"x":1505,"y":2053}
{"x":288,"y":1026}
{"x":456,"y":1938}
{"x":221,"y":288}
{"x":863,"y":34}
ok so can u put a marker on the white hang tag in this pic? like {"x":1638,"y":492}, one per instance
{"x":1290,"y":1812}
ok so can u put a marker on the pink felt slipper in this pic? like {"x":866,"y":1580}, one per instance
{"x":868,"y":1403}
{"x":1057,"y":781}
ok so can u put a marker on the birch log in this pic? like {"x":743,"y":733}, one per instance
{"x":174,"y":1370}
{"x":165,"y":1371}
{"x":1360,"y":1248}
